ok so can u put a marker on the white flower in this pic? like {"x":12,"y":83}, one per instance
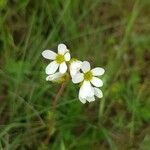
{"x":97,"y":92}
{"x":58,"y":60}
{"x":56,"y":77}
{"x":88,"y":77}
{"x":75,"y":66}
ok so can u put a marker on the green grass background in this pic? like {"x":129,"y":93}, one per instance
{"x":113,"y":34}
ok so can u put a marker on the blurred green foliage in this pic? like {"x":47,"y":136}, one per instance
{"x":110,"y":34}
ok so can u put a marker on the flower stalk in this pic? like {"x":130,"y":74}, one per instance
{"x":59,"y":93}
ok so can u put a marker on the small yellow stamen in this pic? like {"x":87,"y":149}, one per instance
{"x":60,"y":58}
{"x":88,"y":76}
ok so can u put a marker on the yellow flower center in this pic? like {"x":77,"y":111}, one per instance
{"x":88,"y":76}
{"x":60,"y":58}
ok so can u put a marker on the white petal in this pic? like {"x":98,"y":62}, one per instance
{"x":75,"y":66}
{"x":98,"y":71}
{"x":79,"y":77}
{"x":83,"y":100}
{"x":52,"y":67}
{"x":86,"y":90}
{"x":48,"y":54}
{"x":73,"y":72}
{"x":98,"y":93}
{"x":54,"y":77}
{"x":63,"y":68}
{"x":90,"y":99}
{"x":97,"y":82}
{"x":62,"y":49}
{"x":85,"y":66}
{"x":67,"y":56}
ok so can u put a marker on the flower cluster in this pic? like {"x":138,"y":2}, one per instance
{"x":63,"y":66}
